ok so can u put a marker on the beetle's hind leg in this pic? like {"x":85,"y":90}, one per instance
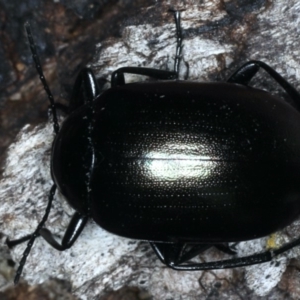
{"x":246,"y":72}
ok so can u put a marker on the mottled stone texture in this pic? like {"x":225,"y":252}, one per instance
{"x":219,"y":36}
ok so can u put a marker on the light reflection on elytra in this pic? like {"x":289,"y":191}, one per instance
{"x":175,"y":162}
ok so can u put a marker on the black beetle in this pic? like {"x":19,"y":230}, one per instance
{"x":183,"y":165}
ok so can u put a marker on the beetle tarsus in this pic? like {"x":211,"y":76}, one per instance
{"x":179,"y":46}
{"x":12,"y":243}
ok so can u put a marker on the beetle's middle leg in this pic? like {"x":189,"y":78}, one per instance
{"x":74,"y":229}
{"x":85,"y":90}
{"x":246,"y":72}
{"x":117,"y":77}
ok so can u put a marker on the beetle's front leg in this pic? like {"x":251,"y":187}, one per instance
{"x":85,"y":89}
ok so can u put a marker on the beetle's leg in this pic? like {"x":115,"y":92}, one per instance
{"x":178,"y":253}
{"x":85,"y":89}
{"x":170,"y":255}
{"x":12,"y":243}
{"x":169,"y":252}
{"x":117,"y":77}
{"x":196,"y":249}
{"x":179,"y":38}
{"x":192,"y":252}
{"x":253,"y":259}
{"x":35,"y":234}
{"x":252,"y":65}
{"x":244,"y":74}
{"x":74,"y":229}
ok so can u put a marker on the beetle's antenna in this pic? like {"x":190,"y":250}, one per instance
{"x":35,"y":235}
{"x":179,"y":46}
{"x":42,"y":77}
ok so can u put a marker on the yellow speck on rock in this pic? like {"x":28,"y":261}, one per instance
{"x":272,"y":241}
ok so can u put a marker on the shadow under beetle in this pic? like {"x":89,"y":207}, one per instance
{"x":183,"y":165}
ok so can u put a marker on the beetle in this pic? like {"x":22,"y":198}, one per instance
{"x":183,"y":165}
